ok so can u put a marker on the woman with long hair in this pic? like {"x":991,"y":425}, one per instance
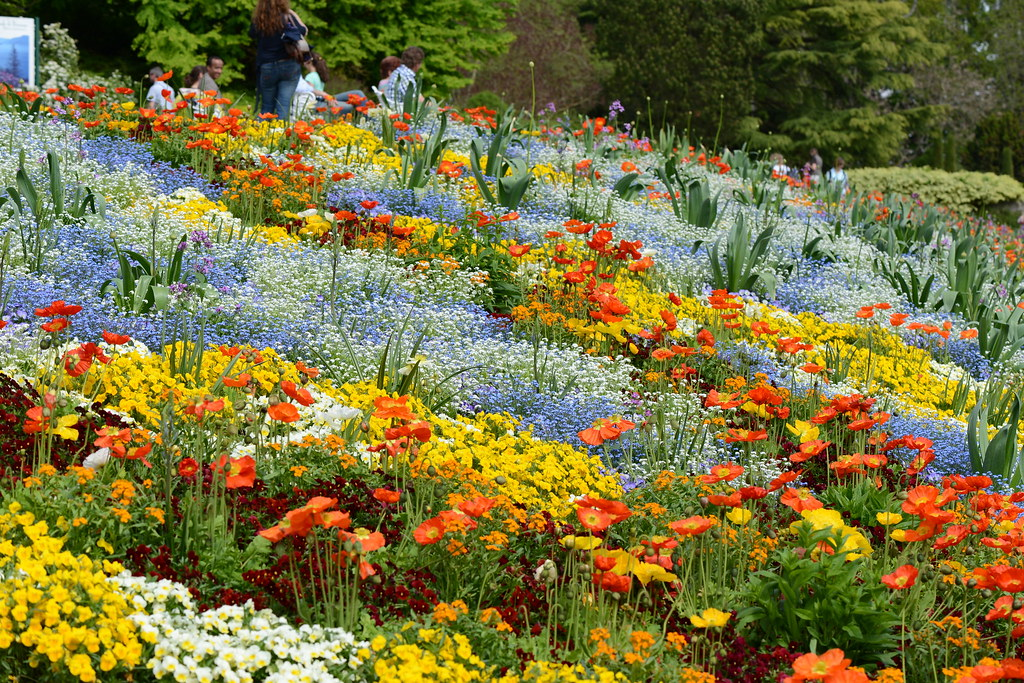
{"x":278,"y":73}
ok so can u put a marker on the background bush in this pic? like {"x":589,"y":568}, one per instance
{"x":962,"y":191}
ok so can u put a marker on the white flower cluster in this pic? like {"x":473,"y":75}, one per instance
{"x":236,"y":643}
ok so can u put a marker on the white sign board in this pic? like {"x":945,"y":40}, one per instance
{"x":18,"y":51}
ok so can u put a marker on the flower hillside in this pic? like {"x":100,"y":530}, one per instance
{"x":453,"y":395}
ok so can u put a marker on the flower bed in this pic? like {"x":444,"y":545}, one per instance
{"x":444,"y":396}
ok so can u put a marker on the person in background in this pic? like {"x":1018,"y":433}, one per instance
{"x":404,"y":76}
{"x":779,"y":168}
{"x":815,"y":166}
{"x":311,"y":87}
{"x":837,"y":176}
{"x":278,"y":74}
{"x":387,"y":67}
{"x":192,"y":93}
{"x":160,"y":95}
{"x":214,"y":68}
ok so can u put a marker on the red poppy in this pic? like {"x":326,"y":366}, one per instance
{"x":746,"y":436}
{"x":904,"y":577}
{"x":783,"y":479}
{"x":519,"y":250}
{"x":187,"y":467}
{"x":115,"y":339}
{"x":237,"y":382}
{"x":55,"y":325}
{"x":613,"y":582}
{"x":58,"y":308}
{"x":733,"y":500}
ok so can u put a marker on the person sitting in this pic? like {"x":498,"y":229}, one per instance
{"x":311,"y":87}
{"x":208,"y":82}
{"x":403,"y":77}
{"x":160,"y":95}
{"x":387,"y":67}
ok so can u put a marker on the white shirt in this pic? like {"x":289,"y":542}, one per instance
{"x":155,"y":97}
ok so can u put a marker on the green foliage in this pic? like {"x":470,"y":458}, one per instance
{"x":486,"y":98}
{"x":353,"y":36}
{"x":998,"y":454}
{"x":744,"y":262}
{"x":821,"y":72}
{"x":961,"y":191}
{"x":998,"y":132}
{"x":1006,"y":162}
{"x":822,"y":600}
{"x":694,"y":55}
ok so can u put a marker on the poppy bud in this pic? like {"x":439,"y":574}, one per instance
{"x":987,"y":593}
{"x":364,"y":427}
{"x":44,"y":343}
{"x":62,"y":403}
{"x":972,"y":583}
{"x":232,"y":430}
{"x":273,"y":400}
{"x":500,"y":480}
{"x":239,"y":405}
{"x":704,"y":502}
{"x":945,"y":570}
{"x":650,"y":552}
{"x":431,"y":471}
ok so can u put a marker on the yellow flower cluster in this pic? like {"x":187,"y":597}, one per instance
{"x":852,"y":540}
{"x":58,"y":612}
{"x":539,"y":474}
{"x":139,"y":384}
{"x":435,"y":656}
{"x":551,"y":672}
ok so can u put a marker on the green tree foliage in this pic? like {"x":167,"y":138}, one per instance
{"x":353,"y":35}
{"x":696,"y":55}
{"x":999,"y":131}
{"x":832,"y":73}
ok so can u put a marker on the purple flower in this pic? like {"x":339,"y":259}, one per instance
{"x":614,"y":109}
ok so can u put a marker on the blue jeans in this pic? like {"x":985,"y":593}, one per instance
{"x":342,"y":101}
{"x":277,"y":86}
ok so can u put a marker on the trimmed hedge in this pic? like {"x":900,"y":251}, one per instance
{"x":962,"y":191}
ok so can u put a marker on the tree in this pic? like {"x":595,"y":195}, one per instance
{"x":694,"y":55}
{"x":566,"y":72}
{"x":353,"y":35}
{"x":833,"y":74}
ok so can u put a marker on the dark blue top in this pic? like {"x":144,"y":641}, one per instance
{"x":270,"y":48}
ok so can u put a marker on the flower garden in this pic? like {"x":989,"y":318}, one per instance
{"x":458,"y":395}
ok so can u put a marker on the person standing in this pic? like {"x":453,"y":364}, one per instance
{"x":278,"y":73}
{"x":208,"y":81}
{"x":814,"y":165}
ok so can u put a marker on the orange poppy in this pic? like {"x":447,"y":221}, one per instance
{"x":616,"y":509}
{"x":745,"y":435}
{"x":429,"y":532}
{"x":593,"y":519}
{"x":733,"y":500}
{"x":800,"y":499}
{"x":476,"y":507}
{"x":392,"y":408}
{"x":902,"y":578}
{"x":386,"y":496}
{"x":783,"y":479}
{"x":238,"y":472}
{"x":724,"y":472}
{"x":366,"y":540}
{"x":518,"y":250}
{"x":283,"y":412}
{"x":815,"y":667}
{"x":691,"y":526}
{"x":298,"y":394}
{"x":237,"y":382}
{"x":613,"y":582}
